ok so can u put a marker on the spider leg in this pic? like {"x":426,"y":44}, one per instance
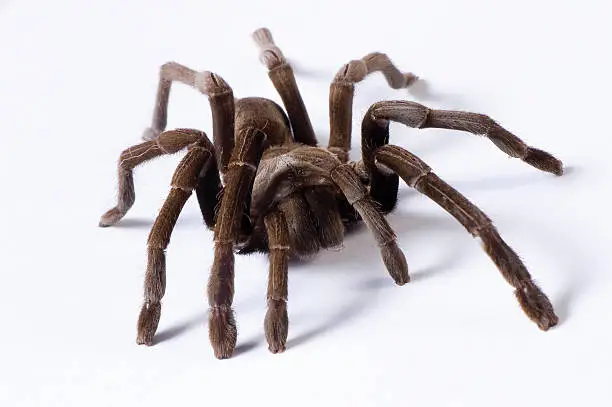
{"x":283,"y":79}
{"x":168,"y":142}
{"x":222,"y":105}
{"x":375,"y":133}
{"x":221,"y":100}
{"x":418,"y":175}
{"x":185,"y":179}
{"x":240,"y":174}
{"x":341,"y":93}
{"x":357,"y":195}
{"x":276,"y":324}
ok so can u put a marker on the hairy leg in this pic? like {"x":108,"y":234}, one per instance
{"x":168,"y":142}
{"x":375,"y":133}
{"x":342,"y":90}
{"x":357,"y":195}
{"x":184,"y":181}
{"x":283,"y":79}
{"x":241,"y":171}
{"x":276,"y":324}
{"x":221,"y":100}
{"x":418,"y":175}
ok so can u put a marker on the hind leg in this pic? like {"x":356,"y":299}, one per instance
{"x":283,"y":79}
{"x":341,"y":93}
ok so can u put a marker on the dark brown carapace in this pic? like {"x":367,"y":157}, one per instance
{"x":263,"y":184}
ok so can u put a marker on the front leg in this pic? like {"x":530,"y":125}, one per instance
{"x":240,"y":175}
{"x":419,"y":176}
{"x":357,"y":196}
{"x":277,"y":322}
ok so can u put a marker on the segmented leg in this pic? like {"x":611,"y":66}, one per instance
{"x":375,"y":133}
{"x":184,"y":181}
{"x":418,"y":175}
{"x":282,"y":77}
{"x":357,"y":195}
{"x":276,"y":324}
{"x":221,"y":100}
{"x":168,"y":142}
{"x":342,"y":90}
{"x":241,"y":171}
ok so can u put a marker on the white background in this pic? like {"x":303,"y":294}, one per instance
{"x":77,"y":85}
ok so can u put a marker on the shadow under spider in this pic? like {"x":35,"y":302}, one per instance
{"x":200,"y":320}
{"x":422,"y":91}
{"x":369,"y":293}
{"x":508,"y":182}
{"x":246,"y":346}
{"x":366,"y":255}
{"x":147,"y":223}
{"x":179,"y":329}
{"x":135,"y":223}
{"x":359,"y":249}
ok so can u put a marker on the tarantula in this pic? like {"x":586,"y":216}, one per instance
{"x":280,"y":193}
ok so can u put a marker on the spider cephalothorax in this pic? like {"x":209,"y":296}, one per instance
{"x":264,"y":185}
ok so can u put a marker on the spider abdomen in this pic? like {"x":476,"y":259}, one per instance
{"x":265,"y":115}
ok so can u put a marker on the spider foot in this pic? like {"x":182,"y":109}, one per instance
{"x":394,"y":259}
{"x":111,"y":217}
{"x":147,"y":323}
{"x":410,"y":79}
{"x":263,"y":36}
{"x":543,"y":161}
{"x":537,"y":306}
{"x":270,"y":54}
{"x":276,"y":325}
{"x":222,"y":331}
{"x":150,"y":134}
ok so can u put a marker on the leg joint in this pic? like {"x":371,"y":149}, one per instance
{"x":349,"y":182}
{"x":244,"y":164}
{"x":211,"y":84}
{"x":172,"y":71}
{"x":172,"y":141}
{"x":411,"y":114}
{"x":353,"y":72}
{"x":131,"y":157}
{"x":340,"y":153}
{"x":414,"y":181}
{"x":270,"y":54}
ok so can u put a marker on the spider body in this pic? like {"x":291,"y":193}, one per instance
{"x":296,"y":179}
{"x":293,"y":178}
{"x":263,"y":184}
